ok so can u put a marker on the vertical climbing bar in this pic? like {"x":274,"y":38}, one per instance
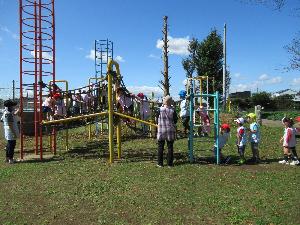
{"x":21,"y":78}
{"x":217,"y":126}
{"x":191,"y":131}
{"x":119,"y":140}
{"x":110,"y":118}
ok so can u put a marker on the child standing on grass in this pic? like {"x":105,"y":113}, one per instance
{"x":167,"y":118}
{"x":289,"y":143}
{"x":184,"y":111}
{"x":11,"y":130}
{"x":144,"y":110}
{"x":223,"y":138}
{"x":254,"y":137}
{"x":241,"y":139}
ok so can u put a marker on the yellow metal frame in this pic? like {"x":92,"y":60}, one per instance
{"x":200,"y":79}
{"x":67,"y":120}
{"x":110,"y":113}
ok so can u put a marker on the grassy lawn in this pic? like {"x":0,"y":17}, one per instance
{"x":80,"y":187}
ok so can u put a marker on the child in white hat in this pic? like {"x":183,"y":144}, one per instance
{"x":241,"y":139}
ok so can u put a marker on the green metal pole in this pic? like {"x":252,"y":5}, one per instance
{"x":191,"y":131}
{"x":217,"y":121}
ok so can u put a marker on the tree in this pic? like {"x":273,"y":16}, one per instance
{"x":275,"y":4}
{"x":166,"y":81}
{"x":284,"y":102}
{"x":206,"y":59}
{"x":263,"y":99}
{"x":294,"y":50}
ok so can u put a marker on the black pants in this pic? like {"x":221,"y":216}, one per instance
{"x":160,"y":152}
{"x":10,"y":148}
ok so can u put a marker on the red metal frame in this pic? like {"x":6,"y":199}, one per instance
{"x":37,"y":39}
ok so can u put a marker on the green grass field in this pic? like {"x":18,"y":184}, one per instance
{"x":80,"y":187}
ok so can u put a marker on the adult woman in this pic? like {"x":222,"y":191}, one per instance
{"x":167,"y":118}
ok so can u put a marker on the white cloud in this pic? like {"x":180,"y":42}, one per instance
{"x":45,"y":55}
{"x":147,"y":90}
{"x":237,"y":75}
{"x":274,"y":80}
{"x":177,"y":46}
{"x":119,"y":58}
{"x":264,"y":77}
{"x":296,"y":82}
{"x":245,"y":87}
{"x":79,"y":48}
{"x":154,"y":56}
{"x":6,"y":30}
{"x":91,"y":56}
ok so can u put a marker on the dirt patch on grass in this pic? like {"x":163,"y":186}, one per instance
{"x":271,"y":123}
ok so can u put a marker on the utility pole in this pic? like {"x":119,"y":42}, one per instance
{"x":224,"y":69}
{"x":14,"y":88}
{"x":166,"y":82}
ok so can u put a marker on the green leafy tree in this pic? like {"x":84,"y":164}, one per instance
{"x":284,"y":102}
{"x":206,"y":59}
{"x":263,"y":99}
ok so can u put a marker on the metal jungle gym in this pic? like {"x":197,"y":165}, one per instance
{"x":194,"y":95}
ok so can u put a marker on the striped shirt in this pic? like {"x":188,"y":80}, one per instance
{"x":166,"y":124}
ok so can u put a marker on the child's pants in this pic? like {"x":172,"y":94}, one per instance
{"x":10,"y":148}
{"x":241,"y":150}
{"x":160,"y":152}
{"x":254,"y":148}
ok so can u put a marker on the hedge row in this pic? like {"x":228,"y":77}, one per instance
{"x":278,"y":115}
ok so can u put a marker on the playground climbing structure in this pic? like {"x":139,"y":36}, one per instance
{"x":37,"y":62}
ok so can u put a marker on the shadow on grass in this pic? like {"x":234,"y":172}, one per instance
{"x":91,"y":150}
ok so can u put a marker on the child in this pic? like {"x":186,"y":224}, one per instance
{"x":254,"y":137}
{"x":223,"y":138}
{"x":184,"y":111}
{"x":289,"y":143}
{"x":85,"y":102}
{"x":241,"y":139}
{"x":48,"y":106}
{"x":205,"y":120}
{"x":144,"y":109}
{"x":60,"y":107}
{"x":10,"y":129}
{"x":167,"y":118}
{"x":77,"y":101}
{"x":125,"y":103}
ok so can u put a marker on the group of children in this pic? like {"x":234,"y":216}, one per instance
{"x":254,"y":136}
{"x":55,"y":104}
{"x":125,"y":104}
{"x":55,"y":107}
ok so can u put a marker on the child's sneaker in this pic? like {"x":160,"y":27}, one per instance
{"x":241,"y":161}
{"x":11,"y":161}
{"x":294,"y":163}
{"x":283,"y":162}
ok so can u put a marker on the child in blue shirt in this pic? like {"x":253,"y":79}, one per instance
{"x":184,"y":111}
{"x":254,"y":137}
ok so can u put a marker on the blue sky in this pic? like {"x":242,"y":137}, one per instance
{"x":255,"y":38}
